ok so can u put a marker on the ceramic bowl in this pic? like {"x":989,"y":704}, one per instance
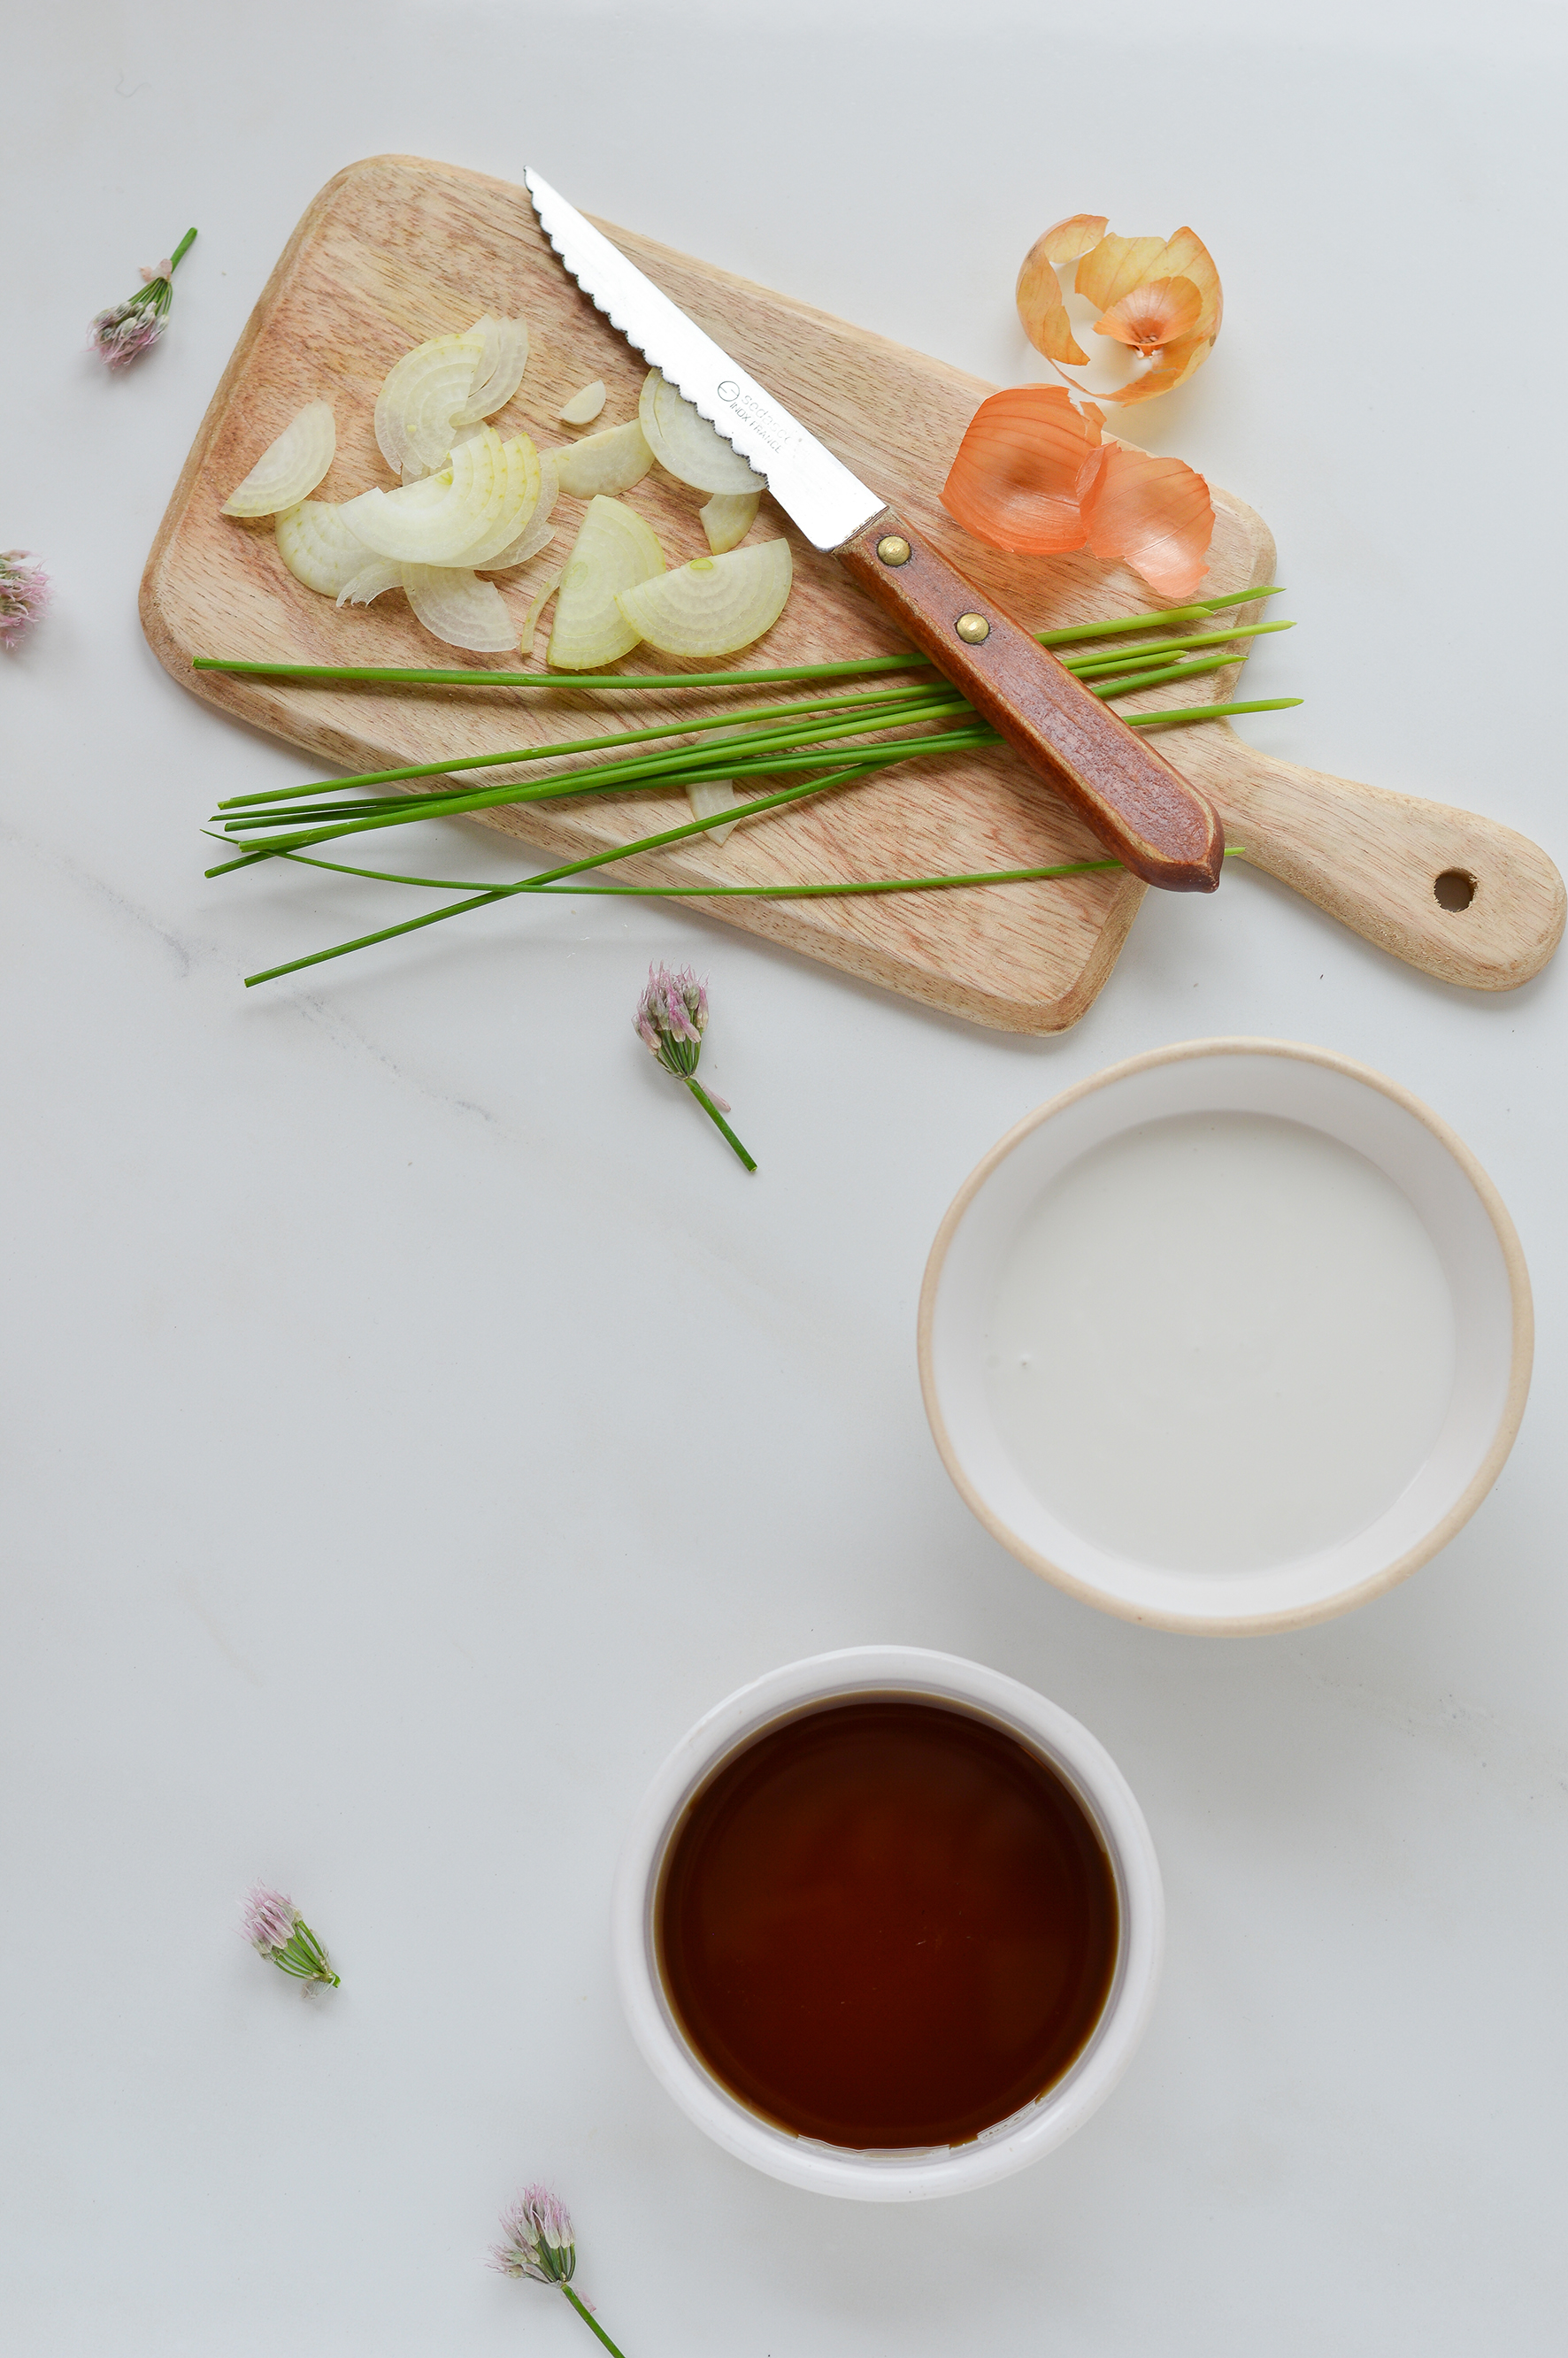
{"x":1477,"y":1249}
{"x":907,"y":2174}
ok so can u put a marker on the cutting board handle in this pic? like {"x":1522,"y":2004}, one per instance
{"x":1463,"y":897}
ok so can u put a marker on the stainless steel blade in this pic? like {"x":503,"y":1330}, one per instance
{"x":825,"y":499}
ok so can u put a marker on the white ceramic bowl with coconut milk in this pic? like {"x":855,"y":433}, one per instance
{"x":1231,"y":1336}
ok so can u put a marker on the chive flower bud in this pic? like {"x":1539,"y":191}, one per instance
{"x":540,"y":2244}
{"x":134,"y":326}
{"x":672,"y":1016}
{"x":275,"y":1928}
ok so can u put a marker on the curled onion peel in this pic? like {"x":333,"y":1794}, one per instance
{"x":683,"y":441}
{"x":318,"y":546}
{"x":481,"y":500}
{"x":1161,"y":296}
{"x":460,"y":607}
{"x":1035,"y":475}
{"x":728,"y":517}
{"x":614,"y":551}
{"x":498,"y":373}
{"x":290,"y":469}
{"x":584,"y":406}
{"x":420,"y":398}
{"x":605,"y":463}
{"x":715,"y":605}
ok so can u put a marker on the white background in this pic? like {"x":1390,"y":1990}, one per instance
{"x":414,"y":1419}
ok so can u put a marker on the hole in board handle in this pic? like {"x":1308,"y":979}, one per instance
{"x":1453,"y":888}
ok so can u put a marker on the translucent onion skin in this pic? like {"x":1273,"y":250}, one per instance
{"x":1152,"y":514}
{"x":686,"y":445}
{"x":715,"y":605}
{"x":421,"y":397}
{"x":503,"y":356}
{"x":318,"y":546}
{"x":460,"y":608}
{"x":290,"y":469}
{"x":615,"y":550}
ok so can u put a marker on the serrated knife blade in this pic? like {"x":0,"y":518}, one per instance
{"x":825,"y":499}
{"x":1142,"y":808}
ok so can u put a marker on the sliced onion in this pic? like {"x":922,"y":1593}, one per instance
{"x":585,"y":406}
{"x":693,"y":451}
{"x":290,"y":469}
{"x":421,"y":397}
{"x":375,"y":577}
{"x":413,"y":472}
{"x":707,"y":795}
{"x":609,"y":462}
{"x":714,"y":605}
{"x":503,"y":356}
{"x":729,"y":517}
{"x":536,"y":605}
{"x":517,"y":552}
{"x":457,"y":606}
{"x":614,"y":551}
{"x":318,"y":546}
{"x":536,"y":534}
{"x":482,"y":499}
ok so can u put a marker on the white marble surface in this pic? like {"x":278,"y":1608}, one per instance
{"x":412,"y":1419}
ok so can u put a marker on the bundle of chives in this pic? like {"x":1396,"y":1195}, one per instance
{"x":761,"y":742}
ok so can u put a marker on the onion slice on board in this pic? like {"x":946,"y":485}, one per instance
{"x":481,"y":500}
{"x":609,"y":462}
{"x":318,"y":546}
{"x":536,"y":534}
{"x":713,"y":606}
{"x":374,"y":578}
{"x":503,"y":356}
{"x":290,"y":469}
{"x":584,"y":406}
{"x":614,"y":551}
{"x":421,"y":395}
{"x":461,"y":609}
{"x":684,"y":442}
{"x":729,"y":517}
{"x":536,"y":605}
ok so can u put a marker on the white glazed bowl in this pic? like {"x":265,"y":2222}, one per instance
{"x":1462,"y":1214}
{"x":906,"y":2175}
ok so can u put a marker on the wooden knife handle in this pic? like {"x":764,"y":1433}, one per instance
{"x":1459,"y":895}
{"x":1147,"y":814}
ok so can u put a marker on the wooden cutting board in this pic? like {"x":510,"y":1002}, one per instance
{"x":395,"y":249}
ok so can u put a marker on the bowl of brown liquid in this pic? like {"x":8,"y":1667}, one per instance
{"x":888,"y":1924}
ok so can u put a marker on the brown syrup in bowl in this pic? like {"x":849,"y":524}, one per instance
{"x":886,"y":1923}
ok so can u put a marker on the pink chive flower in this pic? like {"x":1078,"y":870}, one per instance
{"x":540,"y":2244}
{"x":24,"y":593}
{"x":671,"y":1018}
{"x":275,"y":1928}
{"x":126,"y":329}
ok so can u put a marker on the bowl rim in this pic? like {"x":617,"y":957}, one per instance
{"x":1376,"y":1583}
{"x":1012,"y":2145}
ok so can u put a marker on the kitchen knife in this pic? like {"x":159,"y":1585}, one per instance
{"x":1141,"y":808}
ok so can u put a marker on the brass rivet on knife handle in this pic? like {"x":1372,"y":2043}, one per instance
{"x":892,"y":550}
{"x":1141,"y":808}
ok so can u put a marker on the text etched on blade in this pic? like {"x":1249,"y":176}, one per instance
{"x":753,"y":414}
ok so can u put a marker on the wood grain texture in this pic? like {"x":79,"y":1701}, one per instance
{"x":395,"y":250}
{"x":1138,"y":806}
{"x":1372,"y":859}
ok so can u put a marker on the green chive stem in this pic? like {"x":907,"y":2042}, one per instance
{"x":711,"y":1110}
{"x":586,"y":2314}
